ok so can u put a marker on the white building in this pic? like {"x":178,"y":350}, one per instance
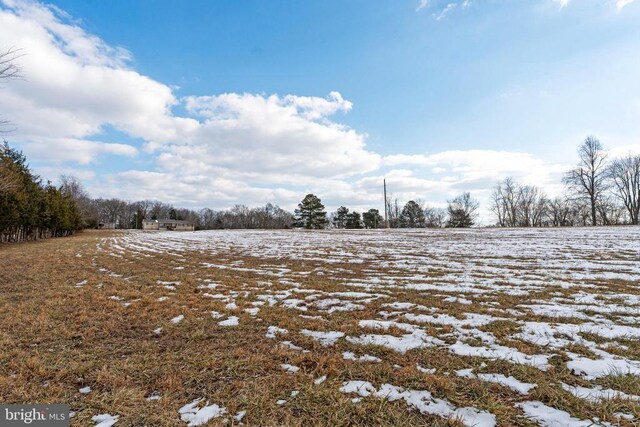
{"x":167,"y":224}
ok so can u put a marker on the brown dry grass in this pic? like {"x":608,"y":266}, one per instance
{"x":56,"y":338}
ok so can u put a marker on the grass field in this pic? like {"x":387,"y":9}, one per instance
{"x":471,"y":327}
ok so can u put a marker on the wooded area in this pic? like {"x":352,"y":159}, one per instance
{"x":29,"y":209}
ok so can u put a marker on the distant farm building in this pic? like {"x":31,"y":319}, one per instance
{"x":167,"y":224}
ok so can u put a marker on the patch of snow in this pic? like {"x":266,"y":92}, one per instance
{"x":292,"y":369}
{"x":252,"y":311}
{"x":598,"y":394}
{"x":425,"y":370}
{"x":363,"y":388}
{"x":510,"y":382}
{"x":547,"y":416}
{"x":348,"y":355}
{"x":272,"y":331}
{"x":592,"y":369}
{"x":194,"y":416}
{"x":423,"y":401}
{"x":239,"y":415}
{"x":231,"y":321}
{"x":105,"y":420}
{"x":327,"y":339}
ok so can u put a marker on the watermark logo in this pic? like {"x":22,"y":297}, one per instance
{"x":34,"y":415}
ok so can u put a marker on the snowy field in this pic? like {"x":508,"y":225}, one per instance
{"x":497,"y":307}
{"x":370,"y":327}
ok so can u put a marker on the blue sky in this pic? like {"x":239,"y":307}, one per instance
{"x":255,"y":101}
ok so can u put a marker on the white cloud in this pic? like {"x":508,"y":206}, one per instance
{"x":423,"y":4}
{"x":240,"y":131}
{"x":625,"y":150}
{"x":444,"y":12}
{"x":622,"y":3}
{"x":562,"y":3}
{"x":74,"y":84}
{"x":82,"y":151}
{"x":470,"y":165}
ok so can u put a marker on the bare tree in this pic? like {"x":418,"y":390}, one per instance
{"x":435,"y":217}
{"x":559,"y":212}
{"x":589,"y":178}
{"x":531,"y":207}
{"x":159,"y":210}
{"x":516,"y":205}
{"x":8,"y":67}
{"x":505,"y":202}
{"x":624,"y":174}
{"x":9,"y":70}
{"x":73,"y":188}
{"x":611,"y":213}
{"x":394,"y":211}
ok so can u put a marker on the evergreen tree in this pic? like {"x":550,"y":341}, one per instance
{"x":412,"y":216}
{"x":310,"y":213}
{"x":354,"y":220}
{"x":372,"y":218}
{"x":462,"y":211}
{"x":340,"y":217}
{"x":28,"y":210}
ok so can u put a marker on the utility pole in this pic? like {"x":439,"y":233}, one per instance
{"x":385,"y":202}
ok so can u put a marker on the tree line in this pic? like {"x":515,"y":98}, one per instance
{"x":461,"y":212}
{"x":29,"y":208}
{"x":122,"y":214}
{"x":598,"y":191}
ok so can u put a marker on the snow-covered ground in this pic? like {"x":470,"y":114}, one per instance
{"x":560,"y":289}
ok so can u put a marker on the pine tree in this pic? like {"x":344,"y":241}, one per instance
{"x":354,"y":220}
{"x":462,"y":211}
{"x":310,"y":213}
{"x":372,"y":218}
{"x":28,"y":210}
{"x":340,"y":217}
{"x":412,"y":216}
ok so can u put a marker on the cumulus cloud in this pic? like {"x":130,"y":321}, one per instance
{"x":240,"y":131}
{"x":75,"y":85}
